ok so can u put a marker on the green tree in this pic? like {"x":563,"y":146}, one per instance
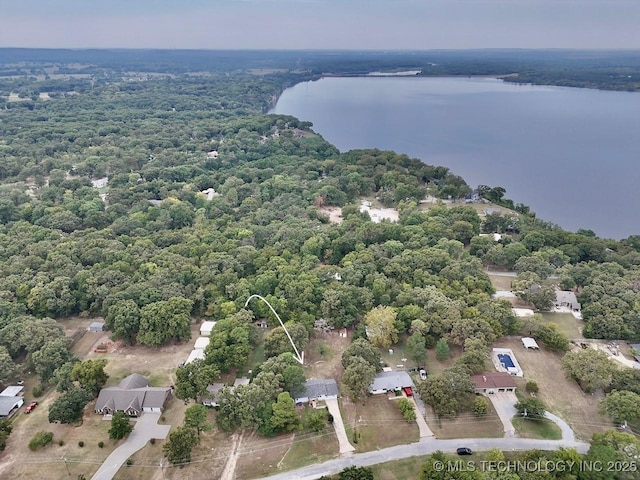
{"x":5,"y":431}
{"x":531,"y":408}
{"x":407,"y":409}
{"x":362,"y":348}
{"x":8,"y":369}
{"x":531,"y":387}
{"x":123,"y":319}
{"x":161,"y":322}
{"x":316,"y":420}
{"x":356,"y":473}
{"x":442,"y":350}
{"x":68,"y":407}
{"x":120,"y":426}
{"x":284,"y":416}
{"x":52,"y":355}
{"x":196,"y":417}
{"x":62,"y":377}
{"x":90,"y":375}
{"x":447,"y":391}
{"x":622,"y":406}
{"x":357,"y":377}
{"x":193,"y":378}
{"x":277,"y":342}
{"x":179,"y":445}
{"x":416,"y":347}
{"x":380,"y":324}
{"x":480,"y":406}
{"x":591,"y":368}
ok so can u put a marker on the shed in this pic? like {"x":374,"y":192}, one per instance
{"x":201,"y":343}
{"x":196,"y":354}
{"x":9,"y":405}
{"x":206,"y":327}
{"x":96,"y":327}
{"x":529,"y":342}
{"x":12,"y":391}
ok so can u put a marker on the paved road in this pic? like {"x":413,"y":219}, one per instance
{"x":425,"y":446}
{"x":338,"y":425}
{"x":145,"y":429}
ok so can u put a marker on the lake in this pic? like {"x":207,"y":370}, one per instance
{"x":570,"y":154}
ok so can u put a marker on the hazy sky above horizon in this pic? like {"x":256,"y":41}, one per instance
{"x":320,"y":24}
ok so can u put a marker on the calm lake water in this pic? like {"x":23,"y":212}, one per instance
{"x":572,"y":155}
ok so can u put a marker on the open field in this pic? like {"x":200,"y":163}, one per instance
{"x":501,"y":282}
{"x":466,"y":425}
{"x":377,"y":422}
{"x":562,"y":396}
{"x":323,"y":355}
{"x":567,"y":323}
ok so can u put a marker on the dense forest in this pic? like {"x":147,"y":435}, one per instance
{"x":135,"y":189}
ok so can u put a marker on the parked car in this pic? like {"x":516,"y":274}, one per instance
{"x":423,"y":374}
{"x":31,"y":407}
{"x":464,"y":451}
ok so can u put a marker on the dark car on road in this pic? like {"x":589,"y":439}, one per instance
{"x":464,"y":451}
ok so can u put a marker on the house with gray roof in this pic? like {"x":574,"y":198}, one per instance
{"x":9,"y":405}
{"x":565,"y":298}
{"x":317,"y":389}
{"x":390,"y":382}
{"x":209,"y":399}
{"x":133,"y":396}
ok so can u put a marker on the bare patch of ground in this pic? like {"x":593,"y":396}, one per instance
{"x":323,"y":355}
{"x":562,"y":396}
{"x":334,"y":213}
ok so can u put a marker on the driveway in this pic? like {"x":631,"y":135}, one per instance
{"x":504,"y":405}
{"x":145,"y":429}
{"x":338,"y":425}
{"x":567,"y":433}
{"x":423,"y":428}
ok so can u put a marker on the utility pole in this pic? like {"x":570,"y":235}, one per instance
{"x":162,"y":469}
{"x":66,"y":466}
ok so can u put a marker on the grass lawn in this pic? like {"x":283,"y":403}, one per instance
{"x":311,"y":448}
{"x":501,"y":282}
{"x":378,"y":424}
{"x":544,"y":429}
{"x":466,"y":425}
{"x":567,"y":323}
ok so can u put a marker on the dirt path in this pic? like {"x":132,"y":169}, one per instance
{"x":230,"y":466}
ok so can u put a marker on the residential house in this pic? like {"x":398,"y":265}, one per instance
{"x":133,"y":396}
{"x":209,"y":399}
{"x":493,"y":382}
{"x":390,"y":382}
{"x":100,"y":183}
{"x":565,"y":298}
{"x":317,"y":389}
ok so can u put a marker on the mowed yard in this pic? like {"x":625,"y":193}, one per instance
{"x":561,"y":395}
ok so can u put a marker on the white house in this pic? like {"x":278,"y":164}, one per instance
{"x":100,"y":182}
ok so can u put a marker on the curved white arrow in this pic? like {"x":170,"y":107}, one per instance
{"x":299,"y":357}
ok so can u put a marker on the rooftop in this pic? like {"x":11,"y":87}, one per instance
{"x":493,"y":380}
{"x":391,"y":380}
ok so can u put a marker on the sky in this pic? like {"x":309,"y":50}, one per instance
{"x":320,"y":24}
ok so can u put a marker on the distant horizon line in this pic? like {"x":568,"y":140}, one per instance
{"x":376,"y":50}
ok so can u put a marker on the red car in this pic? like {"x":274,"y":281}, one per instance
{"x":31,"y":407}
